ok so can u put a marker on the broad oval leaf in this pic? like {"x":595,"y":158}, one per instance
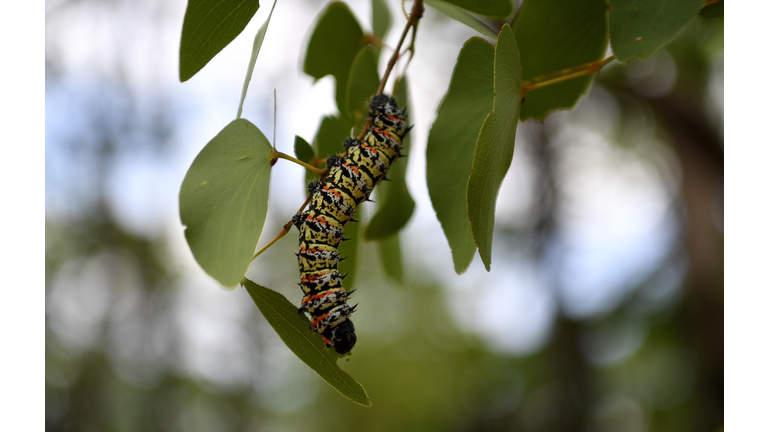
{"x":335,"y":42}
{"x":209,"y":26}
{"x":643,"y":28}
{"x":223,"y":200}
{"x":394,"y":203}
{"x":451,"y":145}
{"x":496,"y":143}
{"x":362,"y":85}
{"x":308,"y":346}
{"x":462,"y":16}
{"x":491,"y":8}
{"x":553,"y":35}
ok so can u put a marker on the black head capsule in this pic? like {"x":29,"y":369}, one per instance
{"x":343,"y":337}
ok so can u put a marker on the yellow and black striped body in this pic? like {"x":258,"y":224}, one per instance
{"x":349,"y":182}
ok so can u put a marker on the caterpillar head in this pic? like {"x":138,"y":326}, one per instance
{"x":383,"y":104}
{"x":343,"y":337}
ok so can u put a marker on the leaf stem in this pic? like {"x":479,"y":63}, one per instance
{"x":309,"y":167}
{"x":711,"y":2}
{"x":417,"y":10}
{"x":284,"y":231}
{"x":563,"y":75}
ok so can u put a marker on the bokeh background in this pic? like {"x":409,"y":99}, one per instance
{"x":603,"y":310}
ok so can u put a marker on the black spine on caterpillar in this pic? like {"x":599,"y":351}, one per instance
{"x":349,"y":182}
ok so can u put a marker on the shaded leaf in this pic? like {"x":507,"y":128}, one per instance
{"x":491,"y":8}
{"x":462,"y":16}
{"x":335,"y":42}
{"x":303,"y":151}
{"x":394,"y":203}
{"x":392,"y":258}
{"x":553,"y":35}
{"x":329,"y":140}
{"x":209,"y":26}
{"x":643,"y":28}
{"x":331,"y":135}
{"x":308,"y":346}
{"x":257,"y":41}
{"x":362,"y":85}
{"x":223,"y":200}
{"x":451,"y":145}
{"x":381,"y":18}
{"x":496,"y":143}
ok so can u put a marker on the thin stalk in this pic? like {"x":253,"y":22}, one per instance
{"x":417,"y":10}
{"x":565,"y":74}
{"x":309,"y":167}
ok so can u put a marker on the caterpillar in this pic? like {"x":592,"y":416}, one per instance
{"x":349,"y":182}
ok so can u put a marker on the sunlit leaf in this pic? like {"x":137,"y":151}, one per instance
{"x":496,"y":143}
{"x":491,"y":8}
{"x":461,"y":16}
{"x":451,"y":145}
{"x":394,"y":205}
{"x":308,"y":346}
{"x":553,"y":35}
{"x":209,"y":26}
{"x":257,"y":41}
{"x":335,"y":42}
{"x":223,"y":200}
{"x":643,"y":28}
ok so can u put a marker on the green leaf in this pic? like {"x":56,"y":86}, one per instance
{"x":381,"y":18}
{"x":209,"y":26}
{"x":491,"y":8}
{"x":451,"y":145}
{"x":553,"y":35}
{"x":462,"y":16}
{"x":308,"y":346}
{"x":303,"y":151}
{"x":643,"y":28}
{"x":362,"y":85}
{"x":329,"y":140}
{"x":331,"y":135}
{"x":333,"y":46}
{"x":496,"y":143}
{"x":223,"y":200}
{"x":394,"y":203}
{"x":349,"y":248}
{"x":257,"y":41}
{"x":392,"y":258}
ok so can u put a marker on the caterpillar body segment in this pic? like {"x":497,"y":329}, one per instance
{"x":349,"y":182}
